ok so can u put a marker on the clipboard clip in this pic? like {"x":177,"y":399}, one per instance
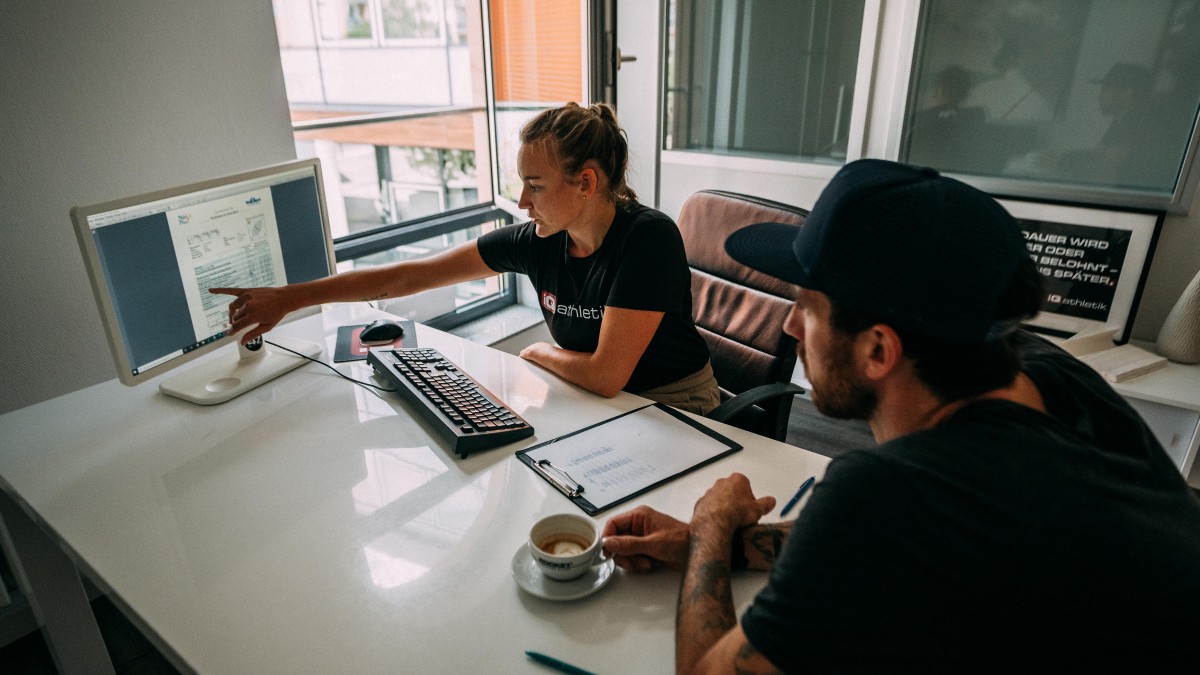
{"x":559,"y":478}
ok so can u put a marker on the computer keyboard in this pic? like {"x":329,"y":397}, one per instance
{"x":462,"y":411}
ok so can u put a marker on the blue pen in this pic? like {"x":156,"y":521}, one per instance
{"x":799,"y":493}
{"x":556,"y":664}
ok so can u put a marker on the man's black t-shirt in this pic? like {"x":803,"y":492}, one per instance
{"x":1001,"y":540}
{"x":640,"y":265}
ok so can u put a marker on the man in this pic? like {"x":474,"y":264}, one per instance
{"x":1134,"y":150}
{"x":1017,"y":514}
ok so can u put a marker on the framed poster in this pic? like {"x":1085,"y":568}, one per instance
{"x":1094,"y":263}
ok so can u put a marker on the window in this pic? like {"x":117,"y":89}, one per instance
{"x":768,"y":78}
{"x":537,"y":65}
{"x":344,"y":19}
{"x":1085,"y":100}
{"x":412,"y":19}
{"x":391,"y":95}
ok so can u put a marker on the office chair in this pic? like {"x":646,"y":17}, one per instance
{"x":740,"y":312}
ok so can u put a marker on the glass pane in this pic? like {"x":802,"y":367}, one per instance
{"x":1083,"y":93}
{"x":344,"y":19}
{"x":389,"y":172}
{"x":772,"y":78}
{"x":433,"y":303}
{"x":380,"y":75}
{"x":378,"y":173}
{"x":381,"y":172}
{"x":412,"y":19}
{"x":537,"y":52}
{"x":457,"y":22}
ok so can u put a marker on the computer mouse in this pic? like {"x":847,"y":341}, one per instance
{"x":383,"y":330}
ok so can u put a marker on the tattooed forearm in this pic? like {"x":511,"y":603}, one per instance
{"x":710,"y":584}
{"x":705,"y":613}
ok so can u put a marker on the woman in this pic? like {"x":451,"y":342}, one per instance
{"x":610,"y":274}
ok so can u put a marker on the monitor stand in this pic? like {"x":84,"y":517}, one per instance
{"x":233,"y":374}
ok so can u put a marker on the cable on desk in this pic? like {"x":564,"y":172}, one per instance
{"x":335,"y":370}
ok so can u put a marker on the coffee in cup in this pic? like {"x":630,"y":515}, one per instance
{"x":563,"y":544}
{"x":566,"y":545}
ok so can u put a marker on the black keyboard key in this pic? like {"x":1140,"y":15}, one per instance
{"x":464,"y":413}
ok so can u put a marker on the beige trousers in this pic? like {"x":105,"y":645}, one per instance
{"x":696,"y":393}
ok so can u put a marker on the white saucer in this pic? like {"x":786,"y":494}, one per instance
{"x":529,"y":577}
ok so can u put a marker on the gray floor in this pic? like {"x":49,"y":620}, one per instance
{"x":813,"y":431}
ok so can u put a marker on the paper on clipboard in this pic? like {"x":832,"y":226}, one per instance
{"x":605,"y":464}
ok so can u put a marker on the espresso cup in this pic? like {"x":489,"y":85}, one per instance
{"x":566,"y":545}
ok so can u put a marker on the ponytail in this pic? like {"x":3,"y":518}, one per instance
{"x":581,"y":135}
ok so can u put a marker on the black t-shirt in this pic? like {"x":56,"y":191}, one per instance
{"x":1001,"y":540}
{"x":639,"y":265}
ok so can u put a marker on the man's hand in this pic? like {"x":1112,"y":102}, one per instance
{"x":644,"y":540}
{"x":730,"y":504}
{"x":707,"y":635}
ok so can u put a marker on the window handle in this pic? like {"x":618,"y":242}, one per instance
{"x":621,"y":58}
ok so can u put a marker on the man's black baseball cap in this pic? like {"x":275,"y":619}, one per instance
{"x":900,"y":244}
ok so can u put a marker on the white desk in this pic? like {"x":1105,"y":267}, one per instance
{"x":312,"y":526}
{"x":1169,"y":400}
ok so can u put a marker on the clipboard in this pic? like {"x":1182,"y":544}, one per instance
{"x":615,"y":460}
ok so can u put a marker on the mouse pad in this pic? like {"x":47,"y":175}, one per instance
{"x":350,"y":348}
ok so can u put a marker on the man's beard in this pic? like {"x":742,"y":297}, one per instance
{"x":841,"y":393}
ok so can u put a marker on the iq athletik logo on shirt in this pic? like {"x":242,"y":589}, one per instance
{"x":550,"y":304}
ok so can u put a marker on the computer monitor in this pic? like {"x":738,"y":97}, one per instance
{"x":152,"y":258}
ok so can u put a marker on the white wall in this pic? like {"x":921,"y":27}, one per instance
{"x":101,"y":100}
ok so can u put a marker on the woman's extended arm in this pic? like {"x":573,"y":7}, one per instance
{"x":624,"y":335}
{"x":261,"y":309}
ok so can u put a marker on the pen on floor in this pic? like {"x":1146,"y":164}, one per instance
{"x":556,"y":664}
{"x":799,"y":493}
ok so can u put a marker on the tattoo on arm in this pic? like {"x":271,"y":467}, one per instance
{"x":768,"y":542}
{"x":711,"y":585}
{"x":764,"y":543}
{"x":749,"y":660}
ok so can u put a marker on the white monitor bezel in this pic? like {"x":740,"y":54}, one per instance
{"x":80,"y":216}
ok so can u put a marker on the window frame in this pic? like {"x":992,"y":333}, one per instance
{"x":360,"y":244}
{"x":674,"y":95}
{"x":860,"y":108}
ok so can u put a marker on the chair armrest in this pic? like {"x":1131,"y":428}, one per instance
{"x":729,"y":409}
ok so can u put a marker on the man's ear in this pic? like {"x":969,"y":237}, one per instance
{"x":879,"y":350}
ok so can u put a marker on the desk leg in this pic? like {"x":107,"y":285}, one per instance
{"x":55,"y":592}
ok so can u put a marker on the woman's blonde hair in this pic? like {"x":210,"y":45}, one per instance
{"x":581,"y":135}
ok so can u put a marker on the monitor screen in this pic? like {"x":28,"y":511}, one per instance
{"x":152,"y":258}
